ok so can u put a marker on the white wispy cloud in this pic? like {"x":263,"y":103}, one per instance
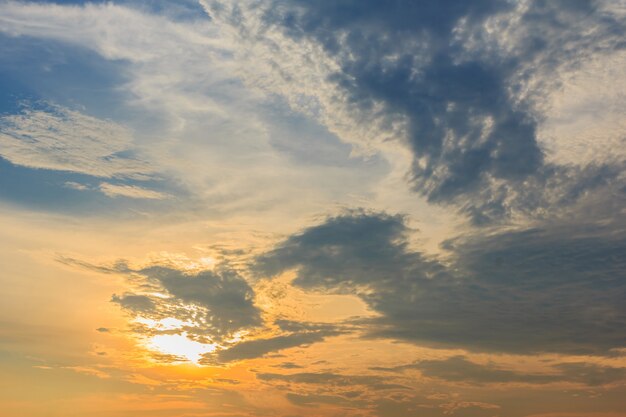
{"x":76,"y":186}
{"x":214,"y":68}
{"x":584,"y":120}
{"x":130,"y":191}
{"x":300,"y":71}
{"x":61,"y":139}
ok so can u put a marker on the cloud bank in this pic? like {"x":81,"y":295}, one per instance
{"x":536,"y":290}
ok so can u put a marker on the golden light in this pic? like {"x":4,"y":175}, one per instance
{"x":178,"y":345}
{"x":181,"y":346}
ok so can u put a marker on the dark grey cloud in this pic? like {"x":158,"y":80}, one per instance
{"x":345,"y":251}
{"x":591,"y":374}
{"x":313,"y":388}
{"x":332,"y":379}
{"x":289,"y":365}
{"x":135,"y":303}
{"x":120,"y":266}
{"x":311,"y":400}
{"x":226,"y":295}
{"x":166,"y":358}
{"x":473,"y":133}
{"x":217,"y":303}
{"x":259,"y":347}
{"x":307,"y":378}
{"x":547,"y":289}
{"x":224,"y":305}
{"x":460,"y":369}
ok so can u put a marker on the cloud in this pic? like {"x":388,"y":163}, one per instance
{"x":244,"y":106}
{"x":462,"y":85}
{"x":135,"y":303}
{"x":470,"y":408}
{"x":225,"y":297}
{"x":548,"y":289}
{"x":196,"y":103}
{"x":119,"y":190}
{"x":347,"y":251}
{"x":328,"y":378}
{"x":207,"y":305}
{"x":289,"y":365}
{"x":76,"y":186}
{"x":130,"y":191}
{"x":57,"y":138}
{"x":592,"y":374}
{"x":467,"y":97}
{"x":309,"y":400}
{"x":348,"y":390}
{"x":583,"y":119}
{"x":257,"y":348}
{"x":460,"y":369}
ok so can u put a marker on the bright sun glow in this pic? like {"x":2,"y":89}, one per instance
{"x":181,"y":346}
{"x":168,"y":323}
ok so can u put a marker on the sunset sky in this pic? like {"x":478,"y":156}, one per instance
{"x":313,"y":208}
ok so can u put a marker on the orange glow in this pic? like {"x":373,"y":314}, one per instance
{"x":179,"y":345}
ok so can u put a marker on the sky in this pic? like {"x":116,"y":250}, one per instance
{"x":290,"y":208}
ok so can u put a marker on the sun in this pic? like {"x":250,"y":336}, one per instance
{"x":181,"y":346}
{"x":178,"y":344}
